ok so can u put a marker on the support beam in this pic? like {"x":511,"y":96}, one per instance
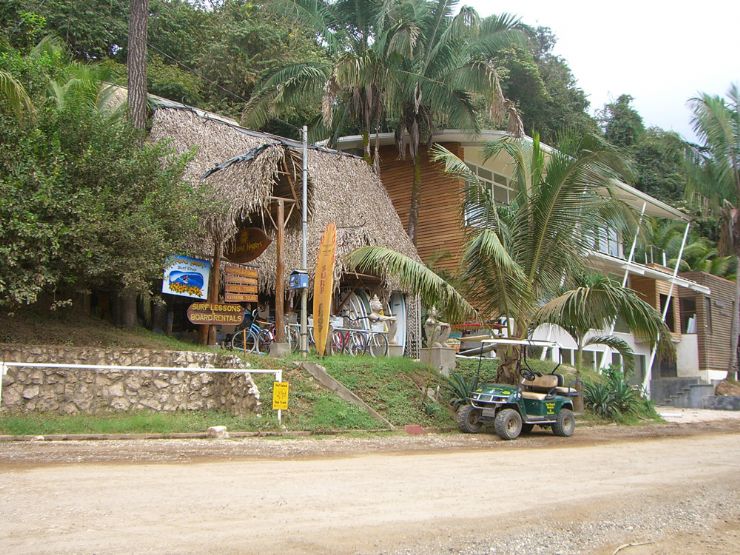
{"x":279,"y":274}
{"x":649,"y":368}
{"x":607,"y":351}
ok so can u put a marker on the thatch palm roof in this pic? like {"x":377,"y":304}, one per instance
{"x":244,"y":168}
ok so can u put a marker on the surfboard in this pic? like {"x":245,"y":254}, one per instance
{"x":323,"y":286}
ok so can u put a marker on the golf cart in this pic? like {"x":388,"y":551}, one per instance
{"x":539,"y":399}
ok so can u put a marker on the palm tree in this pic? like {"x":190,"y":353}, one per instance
{"x":593,"y":304}
{"x":351,"y":85}
{"x":14,"y":96}
{"x":449,"y":79}
{"x":527,"y":253}
{"x":716,"y":122}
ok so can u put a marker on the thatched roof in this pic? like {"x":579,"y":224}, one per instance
{"x":244,"y":168}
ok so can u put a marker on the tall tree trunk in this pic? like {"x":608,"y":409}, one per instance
{"x":413,"y":221}
{"x":137,"y":31}
{"x":578,"y":401}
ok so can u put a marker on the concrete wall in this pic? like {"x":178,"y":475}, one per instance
{"x":687,"y":356}
{"x":70,"y":391}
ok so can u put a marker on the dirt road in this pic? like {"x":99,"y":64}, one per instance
{"x":678,"y":494}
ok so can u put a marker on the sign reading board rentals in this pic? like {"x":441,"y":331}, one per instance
{"x":240,"y":285}
{"x":280,"y":396}
{"x":186,"y":276}
{"x":212,"y":313}
{"x":248,"y":244}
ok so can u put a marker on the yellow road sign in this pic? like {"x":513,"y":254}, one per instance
{"x":280,"y":396}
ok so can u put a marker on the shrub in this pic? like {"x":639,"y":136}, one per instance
{"x":614,"y":398}
{"x":460,"y":388}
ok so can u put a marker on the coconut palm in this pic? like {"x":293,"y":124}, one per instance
{"x":527,"y":253}
{"x":449,"y":79}
{"x":593,"y":304}
{"x":716,"y":122}
{"x":351,"y":85}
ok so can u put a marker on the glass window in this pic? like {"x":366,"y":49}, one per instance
{"x":500,"y":194}
{"x":687,"y":306}
{"x":485,"y":174}
{"x":500,"y":179}
{"x":708,"y":308}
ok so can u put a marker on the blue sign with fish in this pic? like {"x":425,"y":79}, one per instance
{"x":187,"y":277}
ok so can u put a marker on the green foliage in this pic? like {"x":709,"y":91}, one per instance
{"x":612,"y":397}
{"x":83,"y":202}
{"x":460,"y":388}
{"x":544,"y":88}
{"x":395,"y":387}
{"x":622,"y":125}
{"x":129,"y":423}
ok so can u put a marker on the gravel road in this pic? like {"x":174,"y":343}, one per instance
{"x":665,"y":489}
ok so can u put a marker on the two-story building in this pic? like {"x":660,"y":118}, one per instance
{"x":697,"y":307}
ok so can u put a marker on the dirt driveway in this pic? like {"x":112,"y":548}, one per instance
{"x":670,"y":490}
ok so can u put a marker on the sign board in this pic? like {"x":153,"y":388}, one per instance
{"x":240,"y":298}
{"x":240,"y":285}
{"x":280,"y":396}
{"x":323,"y":287}
{"x":212,"y":313}
{"x":249,"y":243}
{"x":186,"y":276}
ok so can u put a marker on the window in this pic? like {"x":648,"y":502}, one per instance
{"x":503,"y":193}
{"x":670,"y":321}
{"x":708,"y":308}
{"x":606,"y":240}
{"x":687,"y":306}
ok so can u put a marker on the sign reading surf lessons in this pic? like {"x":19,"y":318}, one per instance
{"x":212,"y":313}
{"x":248,"y":244}
{"x":240,"y":285}
{"x":323,"y":287}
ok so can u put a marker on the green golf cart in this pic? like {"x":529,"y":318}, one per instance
{"x":538,"y":400}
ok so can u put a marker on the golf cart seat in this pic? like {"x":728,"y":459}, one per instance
{"x":540,"y":387}
{"x":561,"y":389}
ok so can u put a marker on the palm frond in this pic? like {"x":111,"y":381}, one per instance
{"x":413,"y":276}
{"x":616,"y":344}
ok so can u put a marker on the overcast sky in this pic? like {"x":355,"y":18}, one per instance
{"x":660,"y":52}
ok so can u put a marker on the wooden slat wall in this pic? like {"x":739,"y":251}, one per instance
{"x":440,"y":227}
{"x":714,"y":345}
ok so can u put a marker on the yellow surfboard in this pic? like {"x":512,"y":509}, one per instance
{"x":323,"y":285}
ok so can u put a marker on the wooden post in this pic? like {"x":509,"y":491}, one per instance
{"x":279,"y":272}
{"x":207,"y":334}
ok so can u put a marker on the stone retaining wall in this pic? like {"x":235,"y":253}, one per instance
{"x":71,"y":391}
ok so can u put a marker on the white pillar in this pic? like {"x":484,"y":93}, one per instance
{"x":649,"y":367}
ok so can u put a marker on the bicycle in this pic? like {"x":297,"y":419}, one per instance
{"x":255,"y":338}
{"x":360,"y":341}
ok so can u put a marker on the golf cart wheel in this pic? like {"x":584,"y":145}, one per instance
{"x":527,"y":428}
{"x":565,"y":424}
{"x":508,"y":424}
{"x":468,"y":419}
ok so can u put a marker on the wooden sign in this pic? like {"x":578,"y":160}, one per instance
{"x":240,"y":285}
{"x":242,"y":272}
{"x":240,"y":298}
{"x":323,"y":287}
{"x":248,"y":244}
{"x":212,"y":313}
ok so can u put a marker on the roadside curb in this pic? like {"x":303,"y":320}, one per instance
{"x":202,"y":435}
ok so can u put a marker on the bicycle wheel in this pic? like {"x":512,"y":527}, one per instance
{"x":357,"y":343}
{"x":245,"y":340}
{"x":265,"y":340}
{"x":377,"y":345}
{"x":337,"y":342}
